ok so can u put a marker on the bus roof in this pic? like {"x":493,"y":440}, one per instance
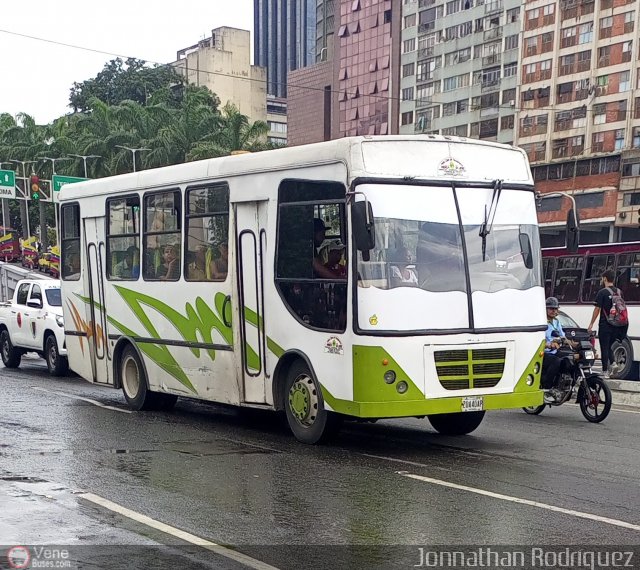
{"x":594,"y":249}
{"x":397,"y":156}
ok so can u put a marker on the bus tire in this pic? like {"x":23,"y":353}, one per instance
{"x":307,"y":418}
{"x":622,"y":355}
{"x":460,"y":423}
{"x":11,"y":356}
{"x":134,"y":381}
{"x":56,"y":365}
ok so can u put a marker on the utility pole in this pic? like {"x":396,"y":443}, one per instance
{"x":24,"y":204}
{"x":133,"y":152}
{"x":43,"y":226}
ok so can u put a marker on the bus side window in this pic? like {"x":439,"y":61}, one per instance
{"x":311,"y":259}
{"x":162,"y":241}
{"x":628,"y":275}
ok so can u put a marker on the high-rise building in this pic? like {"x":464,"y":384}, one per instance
{"x":222,"y":64}
{"x":284,"y":39}
{"x":459,"y":66}
{"x":355,"y":93}
{"x":325,"y":26}
{"x":579,"y":112}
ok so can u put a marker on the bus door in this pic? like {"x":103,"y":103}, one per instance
{"x":96,"y":310}
{"x":250,"y":224}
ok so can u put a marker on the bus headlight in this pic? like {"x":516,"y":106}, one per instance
{"x":59,"y":320}
{"x":389,"y":376}
{"x":530,"y":380}
{"x":402,"y":387}
{"x":536,"y":368}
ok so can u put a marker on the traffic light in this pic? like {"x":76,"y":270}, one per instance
{"x":35,"y":187}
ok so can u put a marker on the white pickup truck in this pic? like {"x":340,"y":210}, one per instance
{"x":32,"y":322}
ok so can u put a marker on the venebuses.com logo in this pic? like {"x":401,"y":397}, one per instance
{"x":19,"y":557}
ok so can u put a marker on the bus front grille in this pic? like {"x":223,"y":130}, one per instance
{"x":468,"y":369}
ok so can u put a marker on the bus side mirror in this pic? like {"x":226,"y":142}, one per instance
{"x":363,"y":227}
{"x":573,"y":231}
{"x":525,"y":248}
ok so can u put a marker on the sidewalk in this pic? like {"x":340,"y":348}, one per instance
{"x":625,"y":392}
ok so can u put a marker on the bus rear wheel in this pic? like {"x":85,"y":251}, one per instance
{"x":306,"y":416}
{"x":134,"y":385}
{"x":134,"y":381}
{"x":460,"y":423}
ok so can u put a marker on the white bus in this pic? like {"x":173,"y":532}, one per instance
{"x":369,"y":277}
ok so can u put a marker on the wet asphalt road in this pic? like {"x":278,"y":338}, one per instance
{"x":76,"y":473}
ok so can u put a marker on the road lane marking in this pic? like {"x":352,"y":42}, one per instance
{"x":181,"y":534}
{"x":520,"y":501}
{"x":90,"y":401}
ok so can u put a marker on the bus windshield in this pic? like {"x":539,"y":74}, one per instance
{"x":429,"y":240}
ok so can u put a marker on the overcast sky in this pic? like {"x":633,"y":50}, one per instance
{"x":36,"y":76}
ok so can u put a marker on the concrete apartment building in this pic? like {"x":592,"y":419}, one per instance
{"x":277,"y":120}
{"x":459,"y":66}
{"x":356,"y":93}
{"x":222,"y":63}
{"x":579,"y":113}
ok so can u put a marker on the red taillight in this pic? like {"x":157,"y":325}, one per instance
{"x":593,"y":341}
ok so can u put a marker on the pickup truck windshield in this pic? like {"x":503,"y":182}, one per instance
{"x":53,"y":297}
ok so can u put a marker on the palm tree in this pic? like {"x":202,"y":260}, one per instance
{"x":234,"y":133}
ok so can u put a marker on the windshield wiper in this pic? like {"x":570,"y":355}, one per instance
{"x":489,"y":216}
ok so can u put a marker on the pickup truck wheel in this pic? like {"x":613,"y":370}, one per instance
{"x":134,"y":381}
{"x":56,"y":364}
{"x":11,"y":356}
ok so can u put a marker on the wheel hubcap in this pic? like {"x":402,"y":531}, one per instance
{"x":130,"y":377}
{"x":303,"y":400}
{"x":53,"y":354}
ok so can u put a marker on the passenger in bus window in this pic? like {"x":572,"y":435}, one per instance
{"x":320,"y":252}
{"x":220,"y":265}
{"x":129,"y":266}
{"x":197,"y":270}
{"x":170,"y":270}
{"x":335,"y":259}
{"x":402,"y":272}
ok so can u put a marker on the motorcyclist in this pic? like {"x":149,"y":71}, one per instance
{"x":551,"y":361}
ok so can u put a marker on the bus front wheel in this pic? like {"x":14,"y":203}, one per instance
{"x":460,"y":423}
{"x":306,"y":416}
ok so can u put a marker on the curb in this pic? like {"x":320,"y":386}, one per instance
{"x":625,"y":392}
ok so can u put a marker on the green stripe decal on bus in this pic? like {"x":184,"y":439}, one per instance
{"x":195,"y":325}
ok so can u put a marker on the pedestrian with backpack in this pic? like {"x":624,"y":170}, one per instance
{"x":614,"y":320}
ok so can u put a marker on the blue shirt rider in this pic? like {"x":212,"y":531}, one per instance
{"x":551,"y":361}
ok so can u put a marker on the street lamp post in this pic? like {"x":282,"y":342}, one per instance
{"x":84,"y":158}
{"x":133,"y":152}
{"x":43,"y":228}
{"x":26,"y":189}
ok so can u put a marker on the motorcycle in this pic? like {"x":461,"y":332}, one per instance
{"x":593,"y":394}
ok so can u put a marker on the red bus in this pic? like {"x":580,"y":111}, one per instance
{"x":574,"y":278}
{"x":9,"y":244}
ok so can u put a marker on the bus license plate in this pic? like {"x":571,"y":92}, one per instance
{"x":472,"y":404}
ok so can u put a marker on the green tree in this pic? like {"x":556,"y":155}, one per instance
{"x":125,"y":80}
{"x":234,"y":132}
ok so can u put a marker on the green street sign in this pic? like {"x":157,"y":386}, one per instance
{"x":7,"y":184}
{"x":59,"y":181}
